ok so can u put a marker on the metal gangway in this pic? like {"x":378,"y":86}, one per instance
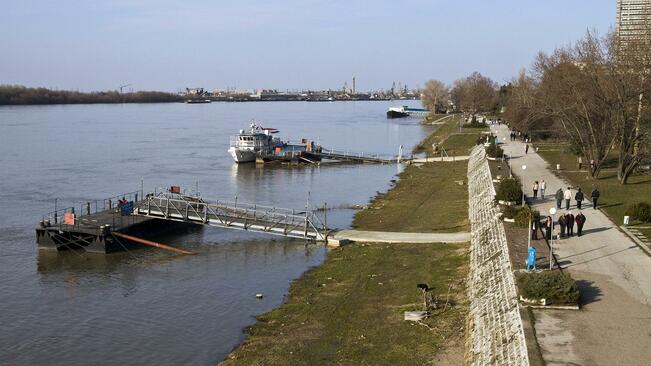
{"x":357,"y":156}
{"x":232,"y":215}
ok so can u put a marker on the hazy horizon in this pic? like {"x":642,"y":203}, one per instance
{"x":167,"y":45}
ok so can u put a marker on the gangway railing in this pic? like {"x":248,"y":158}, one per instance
{"x":355,"y":156}
{"x":234,"y":215}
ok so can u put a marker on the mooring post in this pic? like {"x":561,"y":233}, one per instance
{"x":307,"y":206}
{"x":325,"y":219}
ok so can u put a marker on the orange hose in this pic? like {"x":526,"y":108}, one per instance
{"x":153,"y":244}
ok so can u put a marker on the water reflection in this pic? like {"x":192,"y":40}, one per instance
{"x":147,"y":306}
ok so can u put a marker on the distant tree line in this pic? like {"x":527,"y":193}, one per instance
{"x":473,"y":94}
{"x":20,"y":95}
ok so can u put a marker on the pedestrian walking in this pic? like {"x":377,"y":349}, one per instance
{"x":535,"y":189}
{"x":579,"y":197}
{"x":562,"y":222}
{"x":543,"y":186}
{"x":559,"y":198}
{"x":534,"y":230}
{"x":580,"y":162}
{"x":568,"y":196}
{"x":549,"y":227}
{"x":595,"y":197}
{"x":526,"y":148}
{"x":569,"y":218}
{"x":593,"y":166}
{"x":580,"y":221}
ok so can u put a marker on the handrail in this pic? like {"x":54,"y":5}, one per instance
{"x":358,"y":154}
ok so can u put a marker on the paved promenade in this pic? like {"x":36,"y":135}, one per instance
{"x":614,"y":325}
{"x":394,"y":237}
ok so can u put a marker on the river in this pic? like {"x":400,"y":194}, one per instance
{"x":146,"y":306}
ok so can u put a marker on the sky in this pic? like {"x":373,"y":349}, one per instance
{"x":281,"y":44}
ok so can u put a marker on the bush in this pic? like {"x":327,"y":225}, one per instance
{"x":509,"y":211}
{"x":556,"y":286}
{"x":509,"y":190}
{"x":640,"y":211}
{"x":474,"y":123}
{"x":523,"y":215}
{"x":494,"y":151}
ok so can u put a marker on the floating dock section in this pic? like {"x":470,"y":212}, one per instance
{"x":126,"y":222}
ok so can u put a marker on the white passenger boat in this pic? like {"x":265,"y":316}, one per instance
{"x":245,"y":146}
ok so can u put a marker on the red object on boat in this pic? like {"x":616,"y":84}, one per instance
{"x":271,"y":130}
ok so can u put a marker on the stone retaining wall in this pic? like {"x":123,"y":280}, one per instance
{"x":496,"y":335}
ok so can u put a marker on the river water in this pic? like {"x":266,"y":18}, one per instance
{"x":147,"y":306}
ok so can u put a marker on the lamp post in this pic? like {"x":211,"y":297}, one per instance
{"x":552,"y":211}
{"x":524,"y":168}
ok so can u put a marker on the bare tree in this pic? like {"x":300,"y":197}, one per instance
{"x":575,"y":92}
{"x":474,"y":94}
{"x":523,"y":109}
{"x":596,"y":92}
{"x":434,"y":95}
{"x":630,"y":65}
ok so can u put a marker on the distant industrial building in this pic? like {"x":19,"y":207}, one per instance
{"x":633,"y":19}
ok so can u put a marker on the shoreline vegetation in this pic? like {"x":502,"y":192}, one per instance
{"x":21,"y":95}
{"x":350,"y":309}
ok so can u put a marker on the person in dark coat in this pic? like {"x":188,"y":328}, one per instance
{"x":526,"y":149}
{"x":580,"y":221}
{"x":559,"y":198}
{"x":579,"y":197}
{"x":562,"y":223}
{"x":549,"y":227}
{"x":595,"y":197}
{"x":569,"y":218}
{"x":534,"y":229}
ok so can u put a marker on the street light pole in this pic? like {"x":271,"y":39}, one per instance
{"x":524,"y":168}
{"x":552,"y":211}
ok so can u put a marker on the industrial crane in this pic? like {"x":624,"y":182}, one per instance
{"x":124,"y":86}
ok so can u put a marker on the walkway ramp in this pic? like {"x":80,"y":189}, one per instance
{"x":356,"y":157}
{"x":232,"y":215}
{"x":397,"y":237}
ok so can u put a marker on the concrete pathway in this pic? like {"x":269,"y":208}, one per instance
{"x":441,"y":159}
{"x":614,"y":325}
{"x":393,"y":237}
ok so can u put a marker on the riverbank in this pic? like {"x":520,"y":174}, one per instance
{"x":20,"y":95}
{"x":349,"y":310}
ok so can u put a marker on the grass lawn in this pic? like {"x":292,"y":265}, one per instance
{"x":349,"y":311}
{"x":449,"y":137}
{"x":426,"y":199}
{"x":615,"y":198}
